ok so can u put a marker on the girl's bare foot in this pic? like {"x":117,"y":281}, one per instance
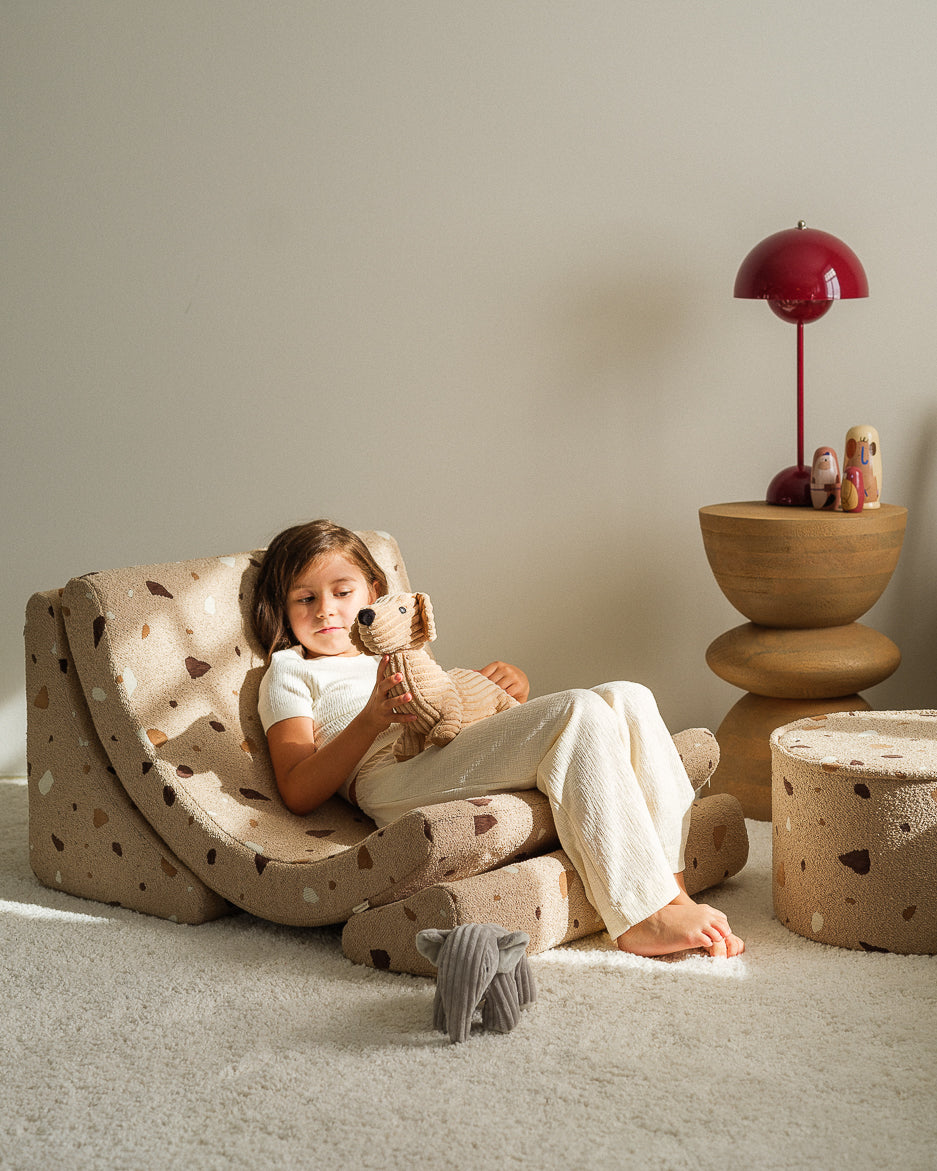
{"x":725,"y":948}
{"x":679,"y":926}
{"x":728,"y":947}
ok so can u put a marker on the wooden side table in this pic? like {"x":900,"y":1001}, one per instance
{"x":802,"y":578}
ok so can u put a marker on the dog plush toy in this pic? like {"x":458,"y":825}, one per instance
{"x":444,"y":702}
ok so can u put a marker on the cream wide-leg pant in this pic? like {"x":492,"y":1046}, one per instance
{"x":617,"y":787}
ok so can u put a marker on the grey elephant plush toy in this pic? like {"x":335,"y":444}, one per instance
{"x":479,"y":965}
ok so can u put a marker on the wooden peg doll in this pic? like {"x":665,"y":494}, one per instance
{"x":852,"y":492}
{"x":863,"y":451}
{"x":824,"y":479}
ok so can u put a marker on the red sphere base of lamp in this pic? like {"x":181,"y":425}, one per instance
{"x":791,"y":487}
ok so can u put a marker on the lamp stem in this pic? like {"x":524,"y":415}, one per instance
{"x":800,"y":394}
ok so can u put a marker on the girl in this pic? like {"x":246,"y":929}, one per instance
{"x":619,"y":794}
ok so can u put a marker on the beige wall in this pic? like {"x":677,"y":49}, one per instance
{"x":462,"y":271}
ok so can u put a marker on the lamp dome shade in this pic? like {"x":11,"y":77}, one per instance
{"x":801,"y":264}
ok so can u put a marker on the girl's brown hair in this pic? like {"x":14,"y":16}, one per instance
{"x":287,"y":556}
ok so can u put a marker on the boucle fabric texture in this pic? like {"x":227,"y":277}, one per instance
{"x":85,"y":834}
{"x":543,"y":896}
{"x":150,"y":785}
{"x":165,"y":661}
{"x":854,"y":797}
{"x":444,"y":702}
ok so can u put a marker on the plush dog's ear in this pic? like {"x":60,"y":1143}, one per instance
{"x":426,"y":613}
{"x":354,"y":634}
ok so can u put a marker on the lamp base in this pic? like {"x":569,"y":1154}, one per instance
{"x":791,"y":487}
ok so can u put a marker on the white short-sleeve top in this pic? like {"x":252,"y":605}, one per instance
{"x":331,"y":690}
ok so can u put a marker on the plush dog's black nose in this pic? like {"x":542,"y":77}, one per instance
{"x":365,"y":617}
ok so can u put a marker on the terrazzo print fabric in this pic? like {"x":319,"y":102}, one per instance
{"x":85,"y":834}
{"x":166,"y":660}
{"x":150,"y":784}
{"x":542,"y":896}
{"x":854,"y":799}
{"x":170,"y":675}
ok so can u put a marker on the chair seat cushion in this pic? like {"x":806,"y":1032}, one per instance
{"x":543,"y":895}
{"x":171,"y":675}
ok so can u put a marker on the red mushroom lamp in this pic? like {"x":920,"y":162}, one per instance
{"x":800,"y":272}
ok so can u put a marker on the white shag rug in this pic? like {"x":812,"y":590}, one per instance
{"x":129,"y":1042}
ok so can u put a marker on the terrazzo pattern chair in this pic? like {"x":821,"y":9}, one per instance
{"x":150,"y":785}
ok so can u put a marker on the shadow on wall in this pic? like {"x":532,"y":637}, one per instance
{"x":913,"y":596}
{"x":590,"y":618}
{"x":13,"y":735}
{"x":622,"y":324}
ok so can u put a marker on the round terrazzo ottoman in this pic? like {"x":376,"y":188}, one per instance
{"x":854,"y":811}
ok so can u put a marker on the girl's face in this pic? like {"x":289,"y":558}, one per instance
{"x":323,"y":604}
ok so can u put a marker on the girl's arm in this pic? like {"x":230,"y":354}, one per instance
{"x":510,"y":679}
{"x":306,"y":774}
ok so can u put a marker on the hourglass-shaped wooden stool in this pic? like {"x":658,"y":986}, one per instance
{"x":802,"y":578}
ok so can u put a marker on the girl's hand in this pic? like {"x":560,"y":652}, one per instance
{"x":510,"y":679}
{"x":307,"y":774}
{"x":378,"y":713}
